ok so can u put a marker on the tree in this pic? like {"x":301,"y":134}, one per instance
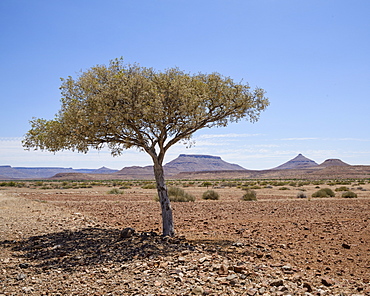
{"x":124,"y":106}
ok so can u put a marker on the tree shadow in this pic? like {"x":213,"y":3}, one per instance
{"x":69,"y":250}
{"x":225,"y":246}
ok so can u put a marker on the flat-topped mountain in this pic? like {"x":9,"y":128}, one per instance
{"x":184,"y":163}
{"x":9,"y":172}
{"x":298,"y":162}
{"x":193,"y":162}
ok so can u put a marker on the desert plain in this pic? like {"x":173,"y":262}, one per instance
{"x":66,"y":238}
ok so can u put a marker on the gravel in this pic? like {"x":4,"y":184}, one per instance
{"x":48,"y":250}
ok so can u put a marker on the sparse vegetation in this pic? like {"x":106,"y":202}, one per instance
{"x":250,"y":195}
{"x":342,"y":188}
{"x":206,"y":184}
{"x":349,"y":194}
{"x":149,"y":186}
{"x":324,"y":192}
{"x":284,"y":188}
{"x":211,"y":194}
{"x":177,"y":194}
{"x":115,"y":191}
{"x":301,"y":194}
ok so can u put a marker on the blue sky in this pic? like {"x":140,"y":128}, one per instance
{"x":312,"y":58}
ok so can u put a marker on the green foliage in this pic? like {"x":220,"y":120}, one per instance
{"x":228,"y":184}
{"x":255,"y":187}
{"x":206,"y":184}
{"x":324,"y":192}
{"x":349,"y":194}
{"x":8,"y":184}
{"x":250,"y":195}
{"x":342,"y":188}
{"x":303,"y":183}
{"x":317,"y":182}
{"x":176,"y":194}
{"x":128,"y":106}
{"x":149,"y":186}
{"x":211,"y":194}
{"x":45,"y":187}
{"x":284,"y":188}
{"x":115,"y":191}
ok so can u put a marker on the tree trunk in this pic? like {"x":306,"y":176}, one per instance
{"x":167,"y":217}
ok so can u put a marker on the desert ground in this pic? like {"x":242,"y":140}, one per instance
{"x":66,"y":238}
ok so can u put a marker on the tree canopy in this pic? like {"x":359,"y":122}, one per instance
{"x":127,"y":106}
{"x":124,"y":106}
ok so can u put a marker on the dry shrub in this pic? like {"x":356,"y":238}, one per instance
{"x":250,"y":195}
{"x":211,"y":194}
{"x":324,"y":192}
{"x":349,"y":194}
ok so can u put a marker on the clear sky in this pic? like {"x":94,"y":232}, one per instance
{"x":312,"y":58}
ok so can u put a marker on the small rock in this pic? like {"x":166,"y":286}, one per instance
{"x":127,"y":232}
{"x":27,"y":289}
{"x":327,"y":281}
{"x":197,"y":290}
{"x":239,"y":268}
{"x":203,"y":259}
{"x":252,"y":292}
{"x":282,"y":288}
{"x":231,"y":277}
{"x":346,"y":246}
{"x":24,"y":265}
{"x":21,"y":276}
{"x":277,"y":283}
{"x":223,"y":269}
{"x":308,"y":287}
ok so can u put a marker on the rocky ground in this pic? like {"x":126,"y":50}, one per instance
{"x":73,"y":243}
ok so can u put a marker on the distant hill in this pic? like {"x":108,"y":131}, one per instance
{"x":333,"y":162}
{"x":12,"y":173}
{"x":299,"y":162}
{"x":103,"y":170}
{"x":193,"y":163}
{"x":7,"y":172}
{"x":136,"y":172}
{"x":183,"y":163}
{"x":196,"y":167}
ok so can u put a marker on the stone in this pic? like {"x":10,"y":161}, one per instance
{"x":127,"y":232}
{"x":239,"y":268}
{"x":327,"y":281}
{"x":27,"y":289}
{"x":307,"y":286}
{"x":197,"y":290}
{"x":231,"y":277}
{"x":223,"y":269}
{"x":21,"y":276}
{"x":252,"y":292}
{"x":277,"y":283}
{"x":346,"y":246}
